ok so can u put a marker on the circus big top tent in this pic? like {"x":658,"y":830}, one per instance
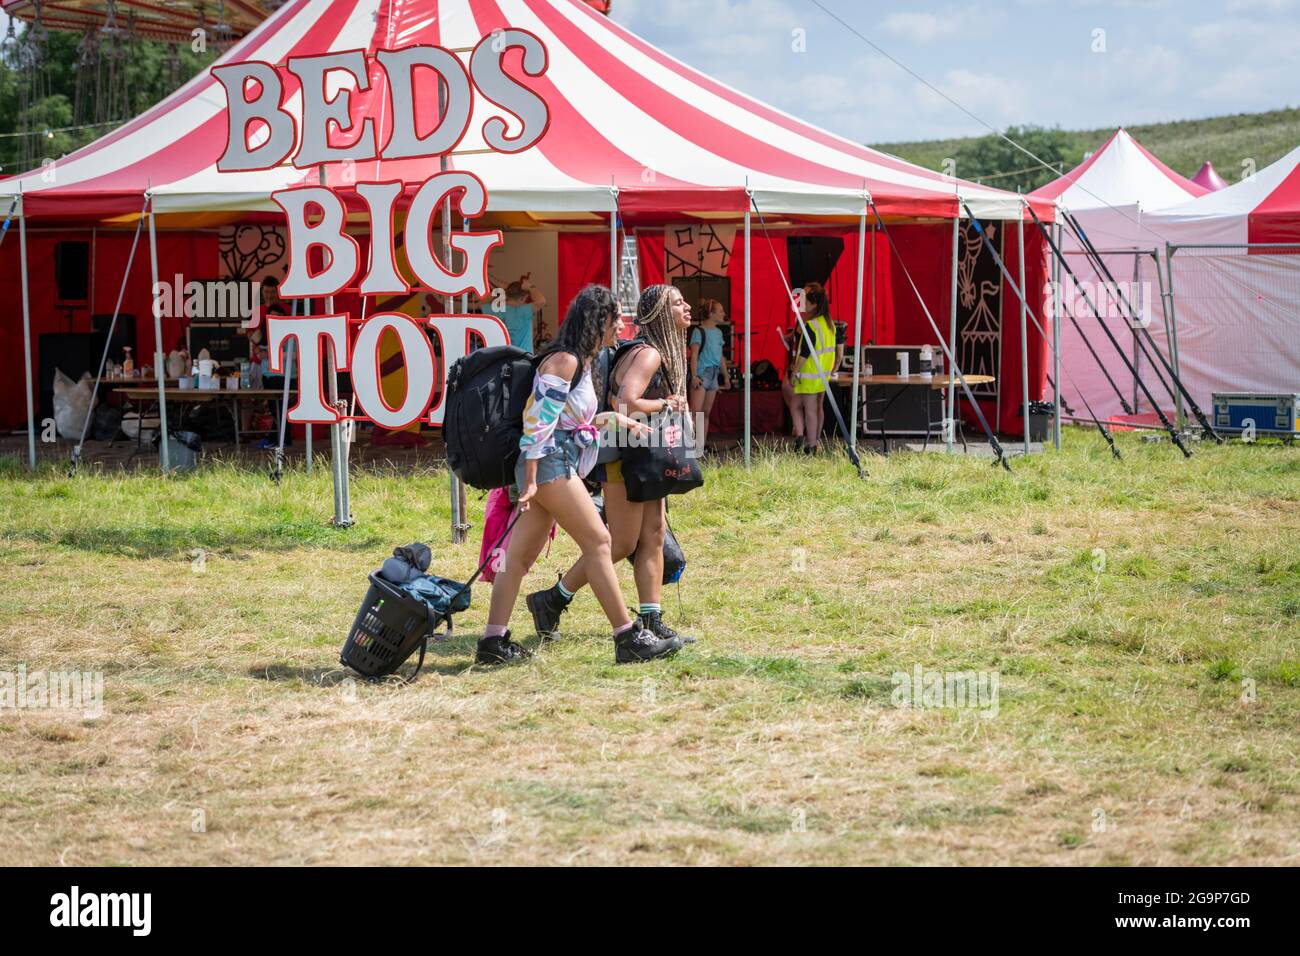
{"x":636,"y":139}
{"x":1111,"y":195}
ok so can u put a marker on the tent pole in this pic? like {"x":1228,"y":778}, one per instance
{"x":613,"y":240}
{"x":748,"y":334}
{"x":289,"y":357}
{"x":459,"y":526}
{"x":94,"y":232}
{"x":159,"y":362}
{"x":27,"y":335}
{"x":1137,"y":358}
{"x":1170,"y":249}
{"x":1056,"y":350}
{"x":108,"y":342}
{"x":950,"y":426}
{"x":1024,"y":329}
{"x":873,"y":285}
{"x":338,"y":446}
{"x":857,"y":330}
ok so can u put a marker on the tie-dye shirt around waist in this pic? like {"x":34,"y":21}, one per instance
{"x":553,"y":410}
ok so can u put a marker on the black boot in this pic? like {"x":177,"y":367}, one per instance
{"x":654,"y":622}
{"x":638,"y":644}
{"x":546,"y":608}
{"x":500,"y":650}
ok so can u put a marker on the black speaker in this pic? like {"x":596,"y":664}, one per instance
{"x":812,"y":258}
{"x":72,"y":270}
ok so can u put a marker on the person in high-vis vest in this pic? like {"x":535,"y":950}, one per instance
{"x":810,"y":370}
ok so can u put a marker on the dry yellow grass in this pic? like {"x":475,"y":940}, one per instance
{"x":1143,"y":619}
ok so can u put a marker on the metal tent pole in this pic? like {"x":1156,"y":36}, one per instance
{"x":1056,"y":350}
{"x":1024,"y":329}
{"x":613,"y":240}
{"x":873,"y":284}
{"x":1137,"y":357}
{"x":27,"y":333}
{"x":748,"y":333}
{"x":290,"y":354}
{"x":338,"y":446}
{"x":857,"y":330}
{"x":108,"y":342}
{"x":950,"y":426}
{"x":159,"y":362}
{"x":459,"y":526}
{"x":1170,"y":249}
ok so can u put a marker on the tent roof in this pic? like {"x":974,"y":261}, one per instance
{"x":1264,"y":207}
{"x":622,"y":113}
{"x":1121,"y":173}
{"x":1209,"y":177}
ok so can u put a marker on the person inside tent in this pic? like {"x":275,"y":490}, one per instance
{"x":522,"y":306}
{"x":708,"y":372}
{"x":811,"y":368}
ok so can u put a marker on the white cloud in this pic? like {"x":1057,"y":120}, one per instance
{"x":920,"y":27}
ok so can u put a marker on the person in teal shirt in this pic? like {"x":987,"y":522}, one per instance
{"x":523,"y":303}
{"x":707,"y":370}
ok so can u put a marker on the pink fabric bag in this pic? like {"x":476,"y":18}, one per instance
{"x":496,"y":516}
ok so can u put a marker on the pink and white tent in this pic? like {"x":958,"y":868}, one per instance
{"x":1112,"y":195}
{"x":623,"y":114}
{"x":1236,"y":283}
{"x":1209,"y":177}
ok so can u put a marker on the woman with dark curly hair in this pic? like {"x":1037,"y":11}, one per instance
{"x":557,"y":450}
{"x":649,"y":377}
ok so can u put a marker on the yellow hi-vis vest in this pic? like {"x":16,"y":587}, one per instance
{"x":809,"y":372}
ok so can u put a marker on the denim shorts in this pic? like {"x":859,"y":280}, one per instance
{"x":560,"y":462}
{"x":709,"y":376}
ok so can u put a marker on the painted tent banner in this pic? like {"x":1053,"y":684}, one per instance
{"x":979,"y":307}
{"x":693,"y":250}
{"x":321,"y":259}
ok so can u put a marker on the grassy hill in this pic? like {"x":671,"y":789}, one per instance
{"x":1183,"y":145}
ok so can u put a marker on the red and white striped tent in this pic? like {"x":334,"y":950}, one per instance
{"x":1234,"y":273}
{"x":631,"y":129}
{"x":1262,"y":208}
{"x":623,"y":114}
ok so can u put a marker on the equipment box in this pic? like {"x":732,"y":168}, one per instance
{"x":1273,"y":414}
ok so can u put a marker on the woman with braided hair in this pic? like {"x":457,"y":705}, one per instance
{"x":648,"y":376}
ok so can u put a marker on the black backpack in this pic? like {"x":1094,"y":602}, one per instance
{"x":486,"y":394}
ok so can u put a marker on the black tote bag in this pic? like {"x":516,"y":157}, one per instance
{"x":663,"y":463}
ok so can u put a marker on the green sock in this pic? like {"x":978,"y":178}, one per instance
{"x":563,"y":591}
{"x":649,"y":609}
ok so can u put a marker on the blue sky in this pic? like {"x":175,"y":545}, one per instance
{"x":1018,"y":61}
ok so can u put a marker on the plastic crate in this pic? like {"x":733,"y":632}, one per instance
{"x":388,"y":629}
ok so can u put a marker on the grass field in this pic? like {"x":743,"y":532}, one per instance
{"x":1142,"y":621}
